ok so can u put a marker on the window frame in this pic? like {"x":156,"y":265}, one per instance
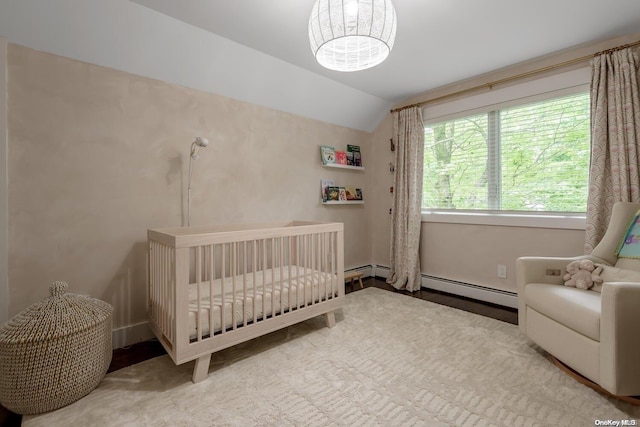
{"x":555,"y":86}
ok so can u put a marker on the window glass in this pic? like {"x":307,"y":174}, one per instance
{"x":532,"y":157}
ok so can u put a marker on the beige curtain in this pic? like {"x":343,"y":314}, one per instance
{"x":615,"y":135}
{"x":408,"y":134}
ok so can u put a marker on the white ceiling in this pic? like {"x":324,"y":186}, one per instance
{"x":438,"y":41}
{"x":257,"y":51}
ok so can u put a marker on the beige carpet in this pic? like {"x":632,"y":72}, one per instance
{"x":391,"y":360}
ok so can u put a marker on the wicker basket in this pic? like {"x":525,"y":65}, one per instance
{"x":54,"y":352}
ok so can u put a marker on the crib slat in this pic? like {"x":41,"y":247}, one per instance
{"x":305,"y":261}
{"x":157,"y":285}
{"x":234,"y":273}
{"x":316,"y":255}
{"x":198,"y":296}
{"x":181,"y":297}
{"x":273,"y":277}
{"x":289,"y":262}
{"x":296,"y":250}
{"x":153,"y":281}
{"x":340,"y":262}
{"x":162,"y":293}
{"x":314,"y":267}
{"x":264,"y":278}
{"x":223,"y":303}
{"x":254,"y":260}
{"x":212,"y":273}
{"x":244,"y":283}
{"x":326,"y":274}
{"x":281,"y":264}
{"x":168,"y":296}
{"x":322,"y":280}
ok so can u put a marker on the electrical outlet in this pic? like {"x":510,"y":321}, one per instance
{"x":502,"y":271}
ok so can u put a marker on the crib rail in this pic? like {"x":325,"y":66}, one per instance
{"x":220,"y":283}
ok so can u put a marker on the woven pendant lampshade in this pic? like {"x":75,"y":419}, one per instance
{"x":352,"y":35}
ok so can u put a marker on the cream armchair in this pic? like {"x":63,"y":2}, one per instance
{"x":595,"y":333}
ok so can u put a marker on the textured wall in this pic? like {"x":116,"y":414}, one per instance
{"x":98,"y":156}
{"x":4,"y":222}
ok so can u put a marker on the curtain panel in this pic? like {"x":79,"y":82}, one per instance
{"x":406,"y":215}
{"x":615,"y":127}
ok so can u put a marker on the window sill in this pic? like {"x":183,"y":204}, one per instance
{"x":507,"y":219}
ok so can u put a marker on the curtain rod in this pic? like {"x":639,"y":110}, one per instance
{"x":517,"y":76}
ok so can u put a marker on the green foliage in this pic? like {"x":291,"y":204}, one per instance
{"x":542,"y":162}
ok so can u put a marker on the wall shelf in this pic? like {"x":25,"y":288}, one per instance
{"x":348,"y":195}
{"x":335,"y":165}
{"x":343,"y":202}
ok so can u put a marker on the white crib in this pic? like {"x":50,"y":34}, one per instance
{"x":217,"y":286}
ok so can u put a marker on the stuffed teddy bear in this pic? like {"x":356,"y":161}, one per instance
{"x":582,"y":274}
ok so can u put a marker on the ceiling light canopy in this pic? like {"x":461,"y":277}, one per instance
{"x":352,"y":35}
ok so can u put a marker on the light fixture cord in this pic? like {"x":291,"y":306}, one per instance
{"x":191,"y":154}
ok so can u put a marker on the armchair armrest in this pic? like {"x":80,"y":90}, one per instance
{"x":619,"y":338}
{"x":535,"y":269}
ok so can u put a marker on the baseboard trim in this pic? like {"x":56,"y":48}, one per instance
{"x":366,"y":270}
{"x":129,"y":335}
{"x":469,"y":290}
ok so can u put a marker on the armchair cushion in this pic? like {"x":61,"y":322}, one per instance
{"x":576,"y":309}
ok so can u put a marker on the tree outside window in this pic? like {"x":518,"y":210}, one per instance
{"x":532,"y":157}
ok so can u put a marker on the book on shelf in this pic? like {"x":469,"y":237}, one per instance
{"x":333,"y":193}
{"x":351,"y":193}
{"x":350,"y":158}
{"x":342,"y":194}
{"x":358,"y":194}
{"x":324,"y":186}
{"x":355,"y":154}
{"x":341,"y":157}
{"x":328,"y":154}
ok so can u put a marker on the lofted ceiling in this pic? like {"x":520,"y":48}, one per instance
{"x":258,"y":50}
{"x":438,"y":41}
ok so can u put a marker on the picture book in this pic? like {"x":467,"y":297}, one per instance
{"x":630,"y":245}
{"x":328,"y":154}
{"x":355,"y":150}
{"x":341,"y":157}
{"x":333,"y":193}
{"x":350,"y":158}
{"x":358,"y":194}
{"x":351,"y":193}
{"x":324,"y":186}
{"x":342,"y":195}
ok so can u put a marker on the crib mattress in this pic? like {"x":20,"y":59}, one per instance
{"x":256,"y":296}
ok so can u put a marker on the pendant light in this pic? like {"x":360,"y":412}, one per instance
{"x":352,"y":35}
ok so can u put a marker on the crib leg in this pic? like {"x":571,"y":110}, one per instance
{"x":330,"y":317}
{"x":201,"y":369}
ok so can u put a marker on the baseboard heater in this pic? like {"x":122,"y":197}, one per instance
{"x":469,"y":290}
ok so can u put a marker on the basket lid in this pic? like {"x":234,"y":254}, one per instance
{"x":59,"y":315}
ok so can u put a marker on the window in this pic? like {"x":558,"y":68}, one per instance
{"x":532,"y":157}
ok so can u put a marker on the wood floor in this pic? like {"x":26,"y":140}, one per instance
{"x":150,"y":349}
